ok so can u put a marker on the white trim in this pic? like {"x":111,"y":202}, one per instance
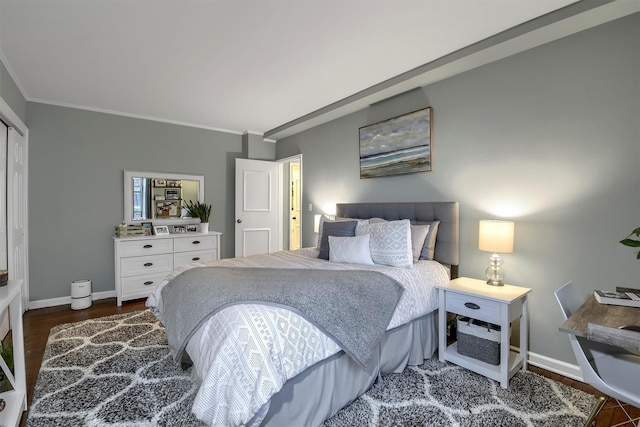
{"x":552,"y":365}
{"x":557,"y":366}
{"x":52,"y":302}
{"x":256,"y":133}
{"x":134,"y":116}
{"x":252,"y":132}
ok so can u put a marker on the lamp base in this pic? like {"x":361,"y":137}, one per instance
{"x":494,"y":272}
{"x":495,"y":282}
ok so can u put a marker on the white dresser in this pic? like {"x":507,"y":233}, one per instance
{"x":143,"y":262}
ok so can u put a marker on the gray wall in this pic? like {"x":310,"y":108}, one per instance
{"x":11,"y":95}
{"x":549,"y":138}
{"x":76,"y":164}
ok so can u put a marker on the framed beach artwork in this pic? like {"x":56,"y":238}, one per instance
{"x":396,"y":146}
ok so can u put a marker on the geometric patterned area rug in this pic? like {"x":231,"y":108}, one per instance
{"x":117,"y":371}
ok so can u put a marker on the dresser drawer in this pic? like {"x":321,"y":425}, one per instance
{"x":145,"y":247}
{"x":195,"y":243}
{"x":474,"y":307}
{"x":193,"y":256}
{"x":151,"y":264}
{"x":138,"y":285}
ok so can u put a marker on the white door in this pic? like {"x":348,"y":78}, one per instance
{"x":258,"y":209}
{"x":17,"y":212}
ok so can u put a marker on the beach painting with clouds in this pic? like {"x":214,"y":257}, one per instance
{"x":396,"y":146}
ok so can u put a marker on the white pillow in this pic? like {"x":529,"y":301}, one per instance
{"x":350,"y":250}
{"x":390,"y":242}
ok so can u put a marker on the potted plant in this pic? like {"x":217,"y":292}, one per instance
{"x":6,"y":352}
{"x":201,"y":211}
{"x":633,"y":240}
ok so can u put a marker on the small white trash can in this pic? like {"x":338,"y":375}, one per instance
{"x":80,"y":294}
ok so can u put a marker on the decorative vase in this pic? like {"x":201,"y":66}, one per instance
{"x":203,"y":227}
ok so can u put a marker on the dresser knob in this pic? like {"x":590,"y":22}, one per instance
{"x":147,"y":246}
{"x":195,"y":258}
{"x":148,"y":282}
{"x":472,"y":305}
{"x":148,"y":264}
{"x":196,"y":242}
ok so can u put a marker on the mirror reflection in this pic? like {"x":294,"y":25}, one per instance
{"x":160,"y":196}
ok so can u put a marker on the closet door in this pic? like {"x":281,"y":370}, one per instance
{"x":3,"y":196}
{"x":4,"y":324}
{"x":17,"y":212}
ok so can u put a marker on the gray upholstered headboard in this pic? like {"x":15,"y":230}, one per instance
{"x":448,"y":237}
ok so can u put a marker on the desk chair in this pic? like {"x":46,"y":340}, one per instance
{"x":610,"y":370}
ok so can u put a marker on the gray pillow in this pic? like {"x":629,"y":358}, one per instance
{"x":429,"y":248}
{"x":339,"y":229}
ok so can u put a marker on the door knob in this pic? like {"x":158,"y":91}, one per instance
{"x":238,"y":221}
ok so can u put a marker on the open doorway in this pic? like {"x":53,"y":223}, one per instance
{"x":292,"y":218}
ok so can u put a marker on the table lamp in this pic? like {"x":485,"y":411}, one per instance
{"x":497,"y":237}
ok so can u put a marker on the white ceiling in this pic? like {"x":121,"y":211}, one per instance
{"x":243,"y":65}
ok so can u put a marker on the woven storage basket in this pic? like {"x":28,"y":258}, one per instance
{"x":480,"y":340}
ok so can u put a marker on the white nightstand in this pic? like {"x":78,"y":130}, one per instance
{"x":499,"y":305}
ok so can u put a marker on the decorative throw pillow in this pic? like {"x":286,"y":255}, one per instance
{"x":419,"y":234}
{"x":338,"y":228}
{"x":350,"y":250}
{"x":390,"y":242}
{"x":324,"y":219}
{"x":429,"y":248}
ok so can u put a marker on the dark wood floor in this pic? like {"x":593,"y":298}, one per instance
{"x":37,"y":324}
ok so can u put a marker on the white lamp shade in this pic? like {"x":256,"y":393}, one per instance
{"x":496,"y":236}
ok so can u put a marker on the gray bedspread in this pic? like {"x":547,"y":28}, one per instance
{"x":352,"y":307}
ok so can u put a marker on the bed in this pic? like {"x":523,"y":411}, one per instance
{"x":263,"y":364}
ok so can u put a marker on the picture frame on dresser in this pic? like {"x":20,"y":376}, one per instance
{"x":172,"y":194}
{"x":192,"y":228}
{"x":148,"y":228}
{"x":161,"y":230}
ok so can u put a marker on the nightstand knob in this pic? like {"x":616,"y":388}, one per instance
{"x":472,"y":305}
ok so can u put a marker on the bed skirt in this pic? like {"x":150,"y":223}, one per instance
{"x":322,"y":390}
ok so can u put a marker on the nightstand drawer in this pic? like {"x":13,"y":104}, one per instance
{"x":474,"y":307}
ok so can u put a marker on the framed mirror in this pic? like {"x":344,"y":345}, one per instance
{"x":159,"y":197}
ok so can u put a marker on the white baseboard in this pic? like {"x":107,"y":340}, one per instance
{"x":553,"y":365}
{"x":52,"y":302}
